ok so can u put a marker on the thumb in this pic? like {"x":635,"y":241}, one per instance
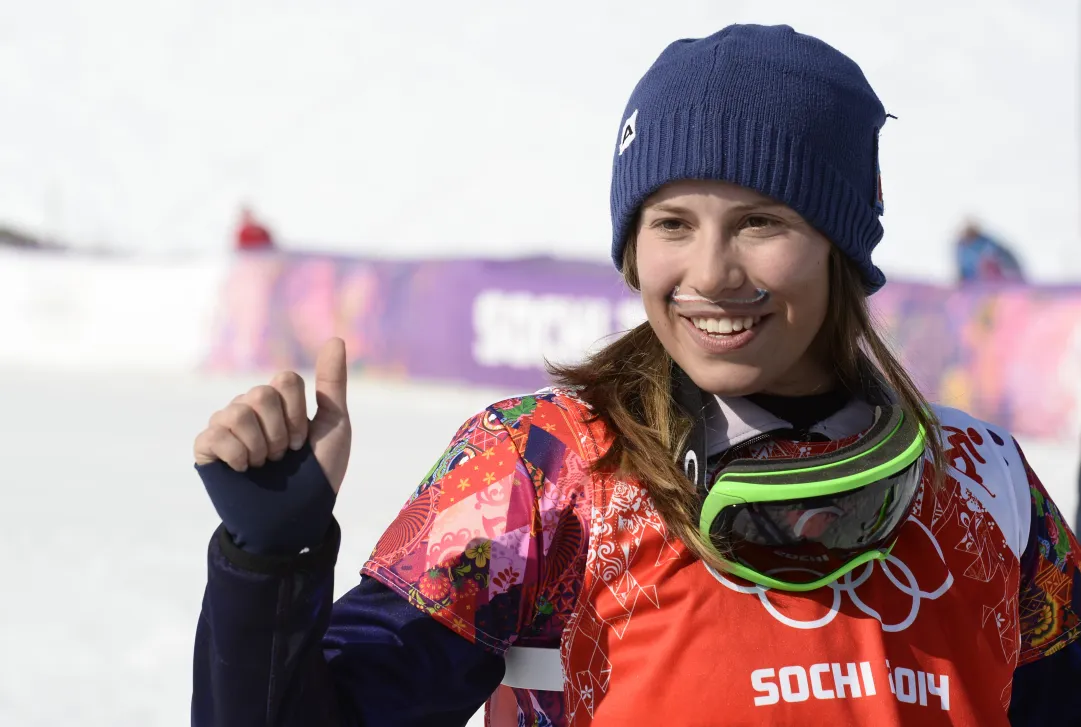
{"x":330,"y":380}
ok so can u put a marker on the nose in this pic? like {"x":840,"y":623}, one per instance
{"x":715,"y":271}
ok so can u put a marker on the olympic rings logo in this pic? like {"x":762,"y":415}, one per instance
{"x":849,"y":584}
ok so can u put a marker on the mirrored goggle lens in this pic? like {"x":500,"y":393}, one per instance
{"x":801,"y":541}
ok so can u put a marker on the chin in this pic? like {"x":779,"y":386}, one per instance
{"x":727,"y":380}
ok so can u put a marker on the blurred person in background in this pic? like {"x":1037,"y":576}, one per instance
{"x":742,"y":511}
{"x":251,"y":234}
{"x":982,"y":258}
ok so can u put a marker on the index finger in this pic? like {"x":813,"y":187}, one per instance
{"x":294,"y":404}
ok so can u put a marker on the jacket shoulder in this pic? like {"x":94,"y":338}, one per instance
{"x":526,"y":410}
{"x":988,"y":464}
{"x":553,"y":427}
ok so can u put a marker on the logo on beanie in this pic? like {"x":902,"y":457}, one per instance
{"x":626,"y":136}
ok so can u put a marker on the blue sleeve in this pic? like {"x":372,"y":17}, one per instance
{"x":1047,"y":681}
{"x":280,"y":508}
{"x":1048,"y":691}
{"x":272,"y":649}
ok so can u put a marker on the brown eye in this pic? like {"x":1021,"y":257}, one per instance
{"x":670,"y":224}
{"x":759,"y":222}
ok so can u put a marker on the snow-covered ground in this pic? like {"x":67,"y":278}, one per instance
{"x":486,"y":127}
{"x":105,"y":524}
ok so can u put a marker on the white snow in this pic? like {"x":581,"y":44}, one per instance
{"x":105,"y":525}
{"x":487,"y":128}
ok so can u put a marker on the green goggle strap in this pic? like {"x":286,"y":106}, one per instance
{"x":740,"y":489}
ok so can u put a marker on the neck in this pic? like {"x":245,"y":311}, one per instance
{"x":819,"y":382}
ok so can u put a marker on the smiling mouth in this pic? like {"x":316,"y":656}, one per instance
{"x":726,"y":325}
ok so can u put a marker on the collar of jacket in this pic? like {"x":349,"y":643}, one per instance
{"x":734,"y":420}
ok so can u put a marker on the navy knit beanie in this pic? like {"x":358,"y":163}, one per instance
{"x":763,"y":107}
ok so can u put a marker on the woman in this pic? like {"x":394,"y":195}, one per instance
{"x":740,"y":512}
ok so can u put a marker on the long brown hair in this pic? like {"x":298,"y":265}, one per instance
{"x":628,"y":384}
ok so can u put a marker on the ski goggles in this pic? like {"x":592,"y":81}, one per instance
{"x":801,"y":524}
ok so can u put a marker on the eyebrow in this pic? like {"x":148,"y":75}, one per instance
{"x":672,"y":209}
{"x":667,"y":209}
{"x":765,"y":204}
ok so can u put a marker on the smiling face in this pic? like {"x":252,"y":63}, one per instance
{"x":736,"y":287}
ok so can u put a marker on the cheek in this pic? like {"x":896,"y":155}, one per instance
{"x":800,"y":280}
{"x":658,"y":274}
{"x":812,"y":291}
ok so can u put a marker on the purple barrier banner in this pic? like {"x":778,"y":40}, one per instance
{"x":1007,"y":354}
{"x":1011,"y":355}
{"x":482,"y":322}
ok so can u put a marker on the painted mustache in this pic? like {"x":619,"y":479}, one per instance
{"x":760,"y":297}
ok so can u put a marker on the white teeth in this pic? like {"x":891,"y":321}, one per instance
{"x":726,"y":325}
